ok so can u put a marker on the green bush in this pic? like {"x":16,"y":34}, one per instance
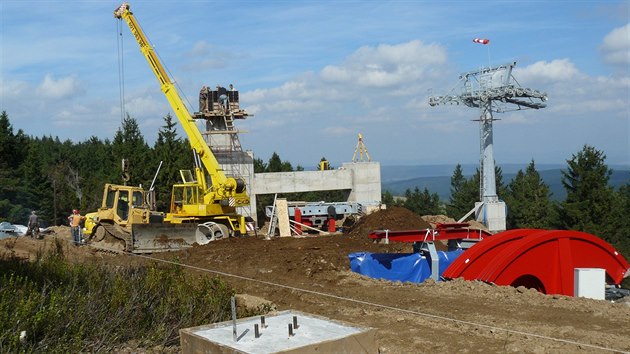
{"x":66,"y":307}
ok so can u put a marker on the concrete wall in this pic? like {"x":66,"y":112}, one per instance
{"x":363,"y":179}
{"x":366,"y":181}
{"x":302,"y":181}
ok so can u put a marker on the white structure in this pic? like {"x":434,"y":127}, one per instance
{"x":589,"y":283}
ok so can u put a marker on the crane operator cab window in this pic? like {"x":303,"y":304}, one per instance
{"x":122,"y":209}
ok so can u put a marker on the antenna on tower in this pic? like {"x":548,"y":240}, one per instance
{"x":492,"y":89}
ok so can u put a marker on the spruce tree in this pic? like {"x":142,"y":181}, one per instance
{"x":589,"y":202}
{"x":12,"y":154}
{"x":129,"y":144}
{"x":275,"y":164}
{"x":618,"y":233}
{"x":456,"y":206}
{"x":528,"y":200}
{"x":422,"y":203}
{"x":464,"y":194}
{"x":387,"y":198}
{"x":175,"y":154}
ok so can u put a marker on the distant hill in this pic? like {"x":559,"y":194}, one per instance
{"x":393,"y":178}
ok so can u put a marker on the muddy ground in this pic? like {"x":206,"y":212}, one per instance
{"x":312,"y":274}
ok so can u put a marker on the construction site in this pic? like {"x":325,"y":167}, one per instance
{"x":361,"y":276}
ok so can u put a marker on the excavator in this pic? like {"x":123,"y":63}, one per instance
{"x":202,"y":207}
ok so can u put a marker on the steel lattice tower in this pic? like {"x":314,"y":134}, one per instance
{"x":491,"y":90}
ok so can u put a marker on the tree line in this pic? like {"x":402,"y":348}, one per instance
{"x":53,"y":177}
{"x":591,"y":204}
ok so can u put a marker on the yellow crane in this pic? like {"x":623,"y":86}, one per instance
{"x":202,"y":208}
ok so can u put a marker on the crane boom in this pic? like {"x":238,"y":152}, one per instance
{"x":223,"y":187}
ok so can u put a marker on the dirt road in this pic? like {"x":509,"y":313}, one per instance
{"x":312,"y":275}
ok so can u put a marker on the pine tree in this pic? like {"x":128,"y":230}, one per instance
{"x":502,"y":189}
{"x":387,"y":198}
{"x":618,"y":233}
{"x":589,"y":202}
{"x":455,"y":206}
{"x":175,"y":154}
{"x":422,"y":203}
{"x":96,"y":166}
{"x":259,"y":165}
{"x":129,"y":144}
{"x":528,"y":200}
{"x":37,"y":190}
{"x":275,"y":164}
{"x":464,"y":193}
{"x":12,"y":154}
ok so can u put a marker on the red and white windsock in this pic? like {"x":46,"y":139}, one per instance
{"x":481,"y":41}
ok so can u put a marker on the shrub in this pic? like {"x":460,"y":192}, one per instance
{"x":66,"y":307}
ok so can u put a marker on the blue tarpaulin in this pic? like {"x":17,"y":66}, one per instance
{"x":412,"y":267}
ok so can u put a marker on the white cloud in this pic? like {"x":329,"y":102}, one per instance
{"x":201,"y":48}
{"x":548,"y":72}
{"x":572,"y":92}
{"x":386,"y":65}
{"x":207,"y":56}
{"x":146,"y":106}
{"x":338,"y":131}
{"x":12,"y":89}
{"x":616,"y":46}
{"x":402,"y":70}
{"x":58,"y":89}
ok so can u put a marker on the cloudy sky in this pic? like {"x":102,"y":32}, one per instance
{"x":317,"y":73}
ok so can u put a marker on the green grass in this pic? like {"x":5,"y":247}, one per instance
{"x":67,"y":307}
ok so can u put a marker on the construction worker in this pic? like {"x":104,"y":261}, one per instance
{"x":33,"y":225}
{"x":203,"y":99}
{"x":75,"y":226}
{"x":223,"y":98}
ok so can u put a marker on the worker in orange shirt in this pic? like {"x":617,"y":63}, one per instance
{"x":75,"y":226}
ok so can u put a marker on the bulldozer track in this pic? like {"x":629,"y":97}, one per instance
{"x":114,"y":240}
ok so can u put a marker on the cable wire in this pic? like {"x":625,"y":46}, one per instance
{"x":121,"y":69}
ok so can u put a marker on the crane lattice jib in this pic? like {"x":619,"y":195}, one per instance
{"x":223,"y":186}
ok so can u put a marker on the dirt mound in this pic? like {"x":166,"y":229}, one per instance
{"x":437,"y":219}
{"x":392,"y":218}
{"x":59,"y":230}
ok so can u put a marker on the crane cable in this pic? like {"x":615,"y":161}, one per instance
{"x":170,"y":76}
{"x":121,"y":70}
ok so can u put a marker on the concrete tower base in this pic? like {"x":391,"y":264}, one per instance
{"x":313,"y":334}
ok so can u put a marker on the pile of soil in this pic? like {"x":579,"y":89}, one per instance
{"x":311,"y":274}
{"x":392,"y":218}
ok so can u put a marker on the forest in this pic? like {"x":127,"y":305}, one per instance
{"x":53,"y":177}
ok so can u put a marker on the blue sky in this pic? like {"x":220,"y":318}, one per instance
{"x":317,"y":73}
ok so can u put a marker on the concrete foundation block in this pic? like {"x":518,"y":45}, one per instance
{"x":313,"y":334}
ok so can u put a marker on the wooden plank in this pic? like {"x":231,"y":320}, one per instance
{"x":282,"y":212}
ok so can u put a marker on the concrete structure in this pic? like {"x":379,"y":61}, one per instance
{"x":313,"y":334}
{"x":361,"y":179}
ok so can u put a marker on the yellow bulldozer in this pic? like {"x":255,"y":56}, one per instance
{"x":126,"y":222}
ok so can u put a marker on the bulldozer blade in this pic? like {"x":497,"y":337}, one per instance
{"x":150,"y":238}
